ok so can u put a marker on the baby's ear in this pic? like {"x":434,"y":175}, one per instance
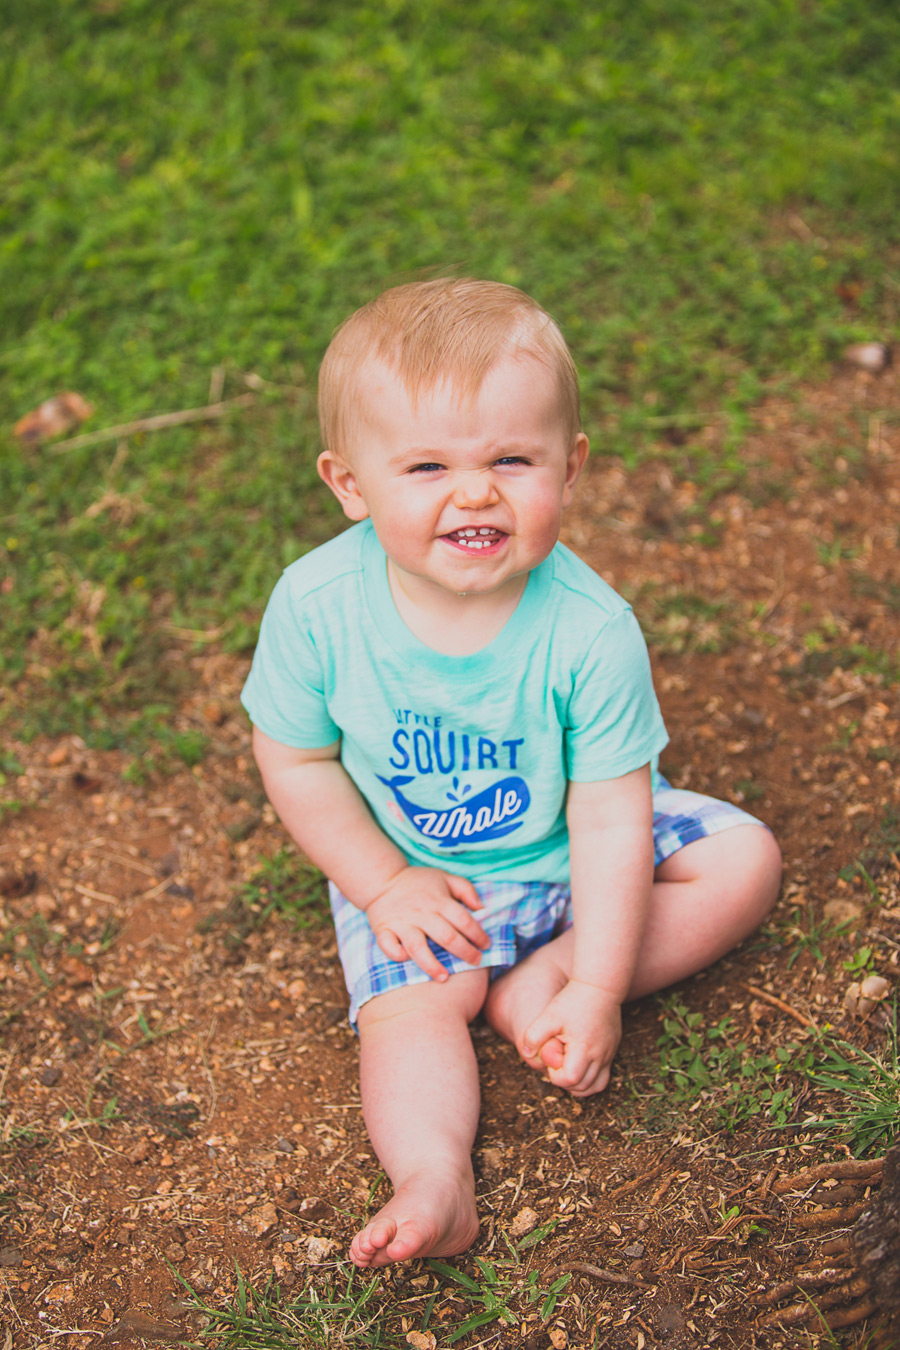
{"x":339,"y":476}
{"x":575,"y":462}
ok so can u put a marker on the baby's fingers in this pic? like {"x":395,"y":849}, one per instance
{"x":462,"y":889}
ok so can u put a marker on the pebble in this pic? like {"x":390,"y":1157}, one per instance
{"x":872,"y":356}
{"x":524,"y":1222}
{"x":320,"y":1249}
{"x":262,"y":1220}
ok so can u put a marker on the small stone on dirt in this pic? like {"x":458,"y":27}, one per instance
{"x":262,"y":1220}
{"x":285,"y":1145}
{"x":141,"y":1151}
{"x":523,"y":1223}
{"x":320,"y":1249}
{"x":49,"y":1077}
{"x":10,"y":1256}
{"x":421,"y":1340}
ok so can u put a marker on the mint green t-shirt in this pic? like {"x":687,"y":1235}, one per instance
{"x":463,"y":760}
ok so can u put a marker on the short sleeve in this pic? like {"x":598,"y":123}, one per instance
{"x":613,"y":722}
{"x":285,"y":690}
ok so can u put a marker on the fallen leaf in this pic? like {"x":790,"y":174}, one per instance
{"x":54,"y":416}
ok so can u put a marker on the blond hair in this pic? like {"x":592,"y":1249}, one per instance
{"x":452,"y":328}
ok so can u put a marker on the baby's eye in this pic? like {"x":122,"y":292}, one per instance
{"x":513,"y":459}
{"x":425,"y":468}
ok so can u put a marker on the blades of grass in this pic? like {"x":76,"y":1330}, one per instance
{"x":481,"y":1319}
{"x":458,"y":1276}
{"x":537,"y":1235}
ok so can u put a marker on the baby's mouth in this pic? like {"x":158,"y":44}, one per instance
{"x":476,"y":538}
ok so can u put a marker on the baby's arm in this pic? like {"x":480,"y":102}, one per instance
{"x":611,"y":848}
{"x":324,"y":813}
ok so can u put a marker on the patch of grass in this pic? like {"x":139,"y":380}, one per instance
{"x":341,"y":1305}
{"x":196,"y":187}
{"x":879,"y":852}
{"x":286,"y":884}
{"x":710,"y":1066}
{"x":681,"y":621}
{"x":283,"y":884}
{"x":867,"y":1116}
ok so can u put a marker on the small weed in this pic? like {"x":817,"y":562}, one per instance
{"x":805,"y":933}
{"x":283,"y":884}
{"x":836,"y":551}
{"x":335,"y":1307}
{"x":10,"y":767}
{"x":708,"y":1065}
{"x":861,"y":962}
{"x":870,"y":1087}
{"x":288,"y":885}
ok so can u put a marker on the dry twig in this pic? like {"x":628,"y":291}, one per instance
{"x":596,"y":1272}
{"x":784,"y":1007}
{"x":158,"y":423}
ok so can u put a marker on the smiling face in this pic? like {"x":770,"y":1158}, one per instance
{"x":466,"y":497}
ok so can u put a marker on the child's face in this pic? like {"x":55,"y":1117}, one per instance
{"x":464,"y":497}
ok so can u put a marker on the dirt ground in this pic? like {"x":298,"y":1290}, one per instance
{"x":180,"y":1096}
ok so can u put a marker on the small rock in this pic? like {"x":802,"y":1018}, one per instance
{"x":871,"y":356}
{"x":843,"y":910}
{"x":77,"y":973}
{"x":559,"y":1338}
{"x":861,"y":999}
{"x":492,"y":1159}
{"x":320,"y":1249}
{"x":175,"y":1253}
{"x":140,"y":1152}
{"x":10,"y":1256}
{"x":285,"y":1145}
{"x":58,"y":756}
{"x":421,"y":1340}
{"x":262,"y":1220}
{"x":49,"y":1077}
{"x":635,"y":1249}
{"x":524,"y":1222}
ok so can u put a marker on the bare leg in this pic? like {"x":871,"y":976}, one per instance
{"x":706,"y":898}
{"x":419,"y":1082}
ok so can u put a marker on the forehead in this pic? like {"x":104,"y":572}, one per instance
{"x":519,"y":390}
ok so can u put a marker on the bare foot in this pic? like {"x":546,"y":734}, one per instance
{"x":520,"y":994}
{"x":427,"y":1216}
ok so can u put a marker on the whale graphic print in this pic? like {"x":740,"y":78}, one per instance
{"x":490,"y":814}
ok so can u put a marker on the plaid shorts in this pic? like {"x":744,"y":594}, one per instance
{"x":517,"y":916}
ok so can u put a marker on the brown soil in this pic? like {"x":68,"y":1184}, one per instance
{"x":182,"y":1097}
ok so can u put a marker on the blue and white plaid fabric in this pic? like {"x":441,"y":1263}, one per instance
{"x":517,"y":916}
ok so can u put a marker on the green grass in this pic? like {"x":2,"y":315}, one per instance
{"x":187,"y":186}
{"x":338,"y":1305}
{"x":709,"y":1069}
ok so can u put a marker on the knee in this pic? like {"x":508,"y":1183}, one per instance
{"x":757,"y":866}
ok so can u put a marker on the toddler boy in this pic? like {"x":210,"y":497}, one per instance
{"x":455,"y":720}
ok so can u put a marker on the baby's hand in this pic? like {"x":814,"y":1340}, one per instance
{"x":421,"y":903}
{"x":576,"y":1037}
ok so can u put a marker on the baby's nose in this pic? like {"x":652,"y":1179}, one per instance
{"x":474,"y":487}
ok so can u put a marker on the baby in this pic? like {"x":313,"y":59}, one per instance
{"x":455,"y":720}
